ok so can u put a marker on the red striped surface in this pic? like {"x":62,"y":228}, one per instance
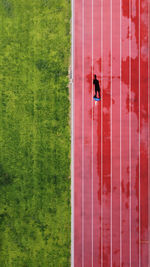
{"x":111,"y":136}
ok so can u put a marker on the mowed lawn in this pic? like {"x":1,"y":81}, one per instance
{"x":35,"y":209}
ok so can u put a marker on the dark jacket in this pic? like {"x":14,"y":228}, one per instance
{"x":96,"y":82}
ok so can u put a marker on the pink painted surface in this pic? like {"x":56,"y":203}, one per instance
{"x":111,"y":136}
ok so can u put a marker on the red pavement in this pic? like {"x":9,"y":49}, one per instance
{"x":111,"y":136}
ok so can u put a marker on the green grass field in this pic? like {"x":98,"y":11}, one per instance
{"x":35,"y":209}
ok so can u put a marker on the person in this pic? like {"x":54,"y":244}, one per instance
{"x":97,"y":87}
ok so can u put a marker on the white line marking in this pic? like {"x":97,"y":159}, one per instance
{"x":139,"y":138}
{"x":111,"y":138}
{"x":72,"y":138}
{"x":148,"y":134}
{"x":101,"y":134}
{"x":120,"y":134}
{"x":92,"y":133}
{"x":82,"y":133}
{"x":130,"y":162}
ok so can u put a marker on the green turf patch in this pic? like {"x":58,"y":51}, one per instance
{"x":34,"y":133}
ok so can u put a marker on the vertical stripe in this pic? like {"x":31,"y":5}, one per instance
{"x":120,"y":135}
{"x":130,"y":205}
{"x":82,"y":133}
{"x":111,"y":135}
{"x":148,"y":134}
{"x":72,"y":137}
{"x":92,"y":133}
{"x":101,"y":133}
{"x":139,"y":136}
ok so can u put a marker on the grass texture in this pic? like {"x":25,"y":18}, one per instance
{"x":35,"y":210}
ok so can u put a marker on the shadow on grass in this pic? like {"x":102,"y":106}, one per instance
{"x":5,"y":178}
